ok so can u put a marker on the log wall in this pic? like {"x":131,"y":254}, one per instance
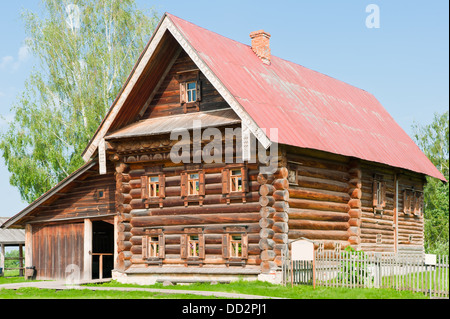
{"x":319,"y":200}
{"x":213,"y":216}
{"x":410,"y":226}
{"x":379,"y":224}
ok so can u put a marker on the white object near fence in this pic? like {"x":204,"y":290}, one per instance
{"x":302,"y":255}
{"x":302,"y":249}
{"x":430,"y":260}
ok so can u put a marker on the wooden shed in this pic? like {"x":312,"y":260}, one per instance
{"x":170,"y":194}
{"x":11,"y":238}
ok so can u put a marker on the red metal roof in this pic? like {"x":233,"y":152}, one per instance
{"x":310,"y":109}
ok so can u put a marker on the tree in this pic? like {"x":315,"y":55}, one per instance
{"x":433,"y":139}
{"x":86,"y":50}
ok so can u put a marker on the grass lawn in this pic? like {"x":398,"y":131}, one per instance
{"x":244,"y":287}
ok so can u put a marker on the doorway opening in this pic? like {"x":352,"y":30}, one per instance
{"x":102,"y":249}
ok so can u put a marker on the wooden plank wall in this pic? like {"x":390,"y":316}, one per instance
{"x":81,"y":199}
{"x":167,"y":100}
{"x":55,"y":247}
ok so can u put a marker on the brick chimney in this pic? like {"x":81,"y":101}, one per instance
{"x":261,"y":45}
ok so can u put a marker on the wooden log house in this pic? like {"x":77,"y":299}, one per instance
{"x":344,"y":173}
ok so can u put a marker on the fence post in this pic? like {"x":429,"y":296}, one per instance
{"x":377,"y":270}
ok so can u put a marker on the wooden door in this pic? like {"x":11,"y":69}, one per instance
{"x":57,"y":249}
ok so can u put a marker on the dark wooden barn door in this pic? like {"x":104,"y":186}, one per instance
{"x":58,"y":250}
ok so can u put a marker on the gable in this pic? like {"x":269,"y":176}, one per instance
{"x":75,"y":197}
{"x":146,"y":75}
{"x":165,"y":100}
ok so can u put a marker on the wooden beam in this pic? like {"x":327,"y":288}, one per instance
{"x":87,"y":273}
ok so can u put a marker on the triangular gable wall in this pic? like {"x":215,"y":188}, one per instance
{"x":136,"y":77}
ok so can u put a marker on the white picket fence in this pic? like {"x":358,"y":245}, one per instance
{"x":375,"y":270}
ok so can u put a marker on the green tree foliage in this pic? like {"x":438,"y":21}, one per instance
{"x":433,"y":139}
{"x":86,"y":50}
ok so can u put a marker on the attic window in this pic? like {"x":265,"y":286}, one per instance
{"x":191,"y":92}
{"x":100,"y":194}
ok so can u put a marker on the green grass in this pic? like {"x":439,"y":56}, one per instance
{"x":258,"y":288}
{"x":35,"y":293}
{"x":297,"y":292}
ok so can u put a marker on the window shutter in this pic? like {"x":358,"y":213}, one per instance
{"x":162,"y":247}
{"x":144,"y":187}
{"x":201,"y":246}
{"x":244,"y":179}
{"x":199,"y":90}
{"x":201,"y":180}
{"x":144,"y":247}
{"x":375,"y":192}
{"x":182,"y":93}
{"x":183,"y":244}
{"x":244,"y":246}
{"x":162,"y":185}
{"x":225,"y":181}
{"x":183,"y":184}
{"x":406,"y":202}
{"x":225,"y":250}
{"x":383,"y":194}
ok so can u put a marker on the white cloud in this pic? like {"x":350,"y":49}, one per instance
{"x":14,"y":63}
{"x":24,"y":53}
{"x":5,"y":61}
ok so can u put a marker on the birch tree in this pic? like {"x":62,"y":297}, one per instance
{"x":85,"y":50}
{"x":433,"y":139}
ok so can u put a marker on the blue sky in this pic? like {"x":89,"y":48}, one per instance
{"x":404,"y":63}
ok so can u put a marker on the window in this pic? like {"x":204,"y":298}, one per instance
{"x":154,"y":186}
{"x":379,"y":193}
{"x":153,"y":189}
{"x":193,"y":184}
{"x":292,"y":176}
{"x":153,"y":245}
{"x":192,"y":245}
{"x":412,"y":202}
{"x":236,"y":180}
{"x":418,"y":203}
{"x":99,"y":194}
{"x":235,"y":183}
{"x":407,"y":201}
{"x":235,"y":245}
{"x":191,"y":92}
